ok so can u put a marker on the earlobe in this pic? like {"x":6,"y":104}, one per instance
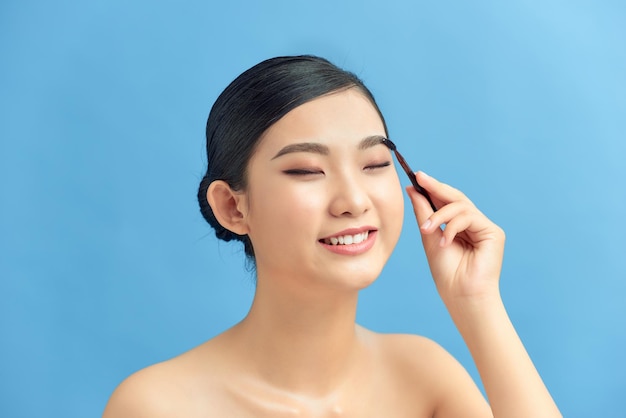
{"x":226,"y":205}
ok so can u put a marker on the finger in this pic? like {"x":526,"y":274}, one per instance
{"x":463,"y":217}
{"x":440,"y":191}
{"x":456,"y":225}
{"x":445,"y":214}
{"x":421,"y":207}
{"x":431,"y":235}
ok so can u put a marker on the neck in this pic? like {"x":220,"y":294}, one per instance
{"x":302,"y":341}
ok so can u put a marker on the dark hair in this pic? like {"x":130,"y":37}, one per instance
{"x":252,"y":103}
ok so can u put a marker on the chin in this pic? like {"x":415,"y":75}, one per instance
{"x":357,"y":279}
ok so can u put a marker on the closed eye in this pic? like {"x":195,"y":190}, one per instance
{"x":302,"y":172}
{"x":375,"y":166}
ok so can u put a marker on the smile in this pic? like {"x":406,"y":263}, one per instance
{"x":347,"y":239}
{"x":351,"y":241}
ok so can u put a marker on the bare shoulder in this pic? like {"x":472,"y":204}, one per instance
{"x":423,"y":366}
{"x":147,"y":393}
{"x":416,"y":352}
{"x":170,"y":388}
{"x":417,"y":359}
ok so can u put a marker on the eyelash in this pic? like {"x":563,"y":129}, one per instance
{"x":304,"y":172}
{"x":301,"y":172}
{"x":381,"y":165}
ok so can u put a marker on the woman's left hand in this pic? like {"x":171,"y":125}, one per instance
{"x":465,"y":256}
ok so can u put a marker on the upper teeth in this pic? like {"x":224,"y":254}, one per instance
{"x":347,"y":239}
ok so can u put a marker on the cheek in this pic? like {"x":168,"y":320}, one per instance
{"x":398,"y":199}
{"x":282,"y":226}
{"x":391,"y":189}
{"x":284,"y":210}
{"x":391,"y":200}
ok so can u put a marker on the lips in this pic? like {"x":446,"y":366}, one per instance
{"x":350,"y":241}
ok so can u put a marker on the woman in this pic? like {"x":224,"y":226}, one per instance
{"x":299,"y":172}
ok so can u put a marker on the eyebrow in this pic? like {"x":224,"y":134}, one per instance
{"x":316,"y":148}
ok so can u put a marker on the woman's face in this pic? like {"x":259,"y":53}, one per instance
{"x":324,"y":203}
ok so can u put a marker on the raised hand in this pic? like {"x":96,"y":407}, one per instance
{"x":464,"y":248}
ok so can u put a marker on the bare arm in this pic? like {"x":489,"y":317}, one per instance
{"x":465,"y":259}
{"x":512,"y":383}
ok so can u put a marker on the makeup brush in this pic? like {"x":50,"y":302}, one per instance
{"x":409,"y":172}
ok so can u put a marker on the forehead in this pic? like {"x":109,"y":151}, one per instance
{"x":343,"y":117}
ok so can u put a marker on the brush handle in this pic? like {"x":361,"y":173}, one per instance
{"x":422,"y":191}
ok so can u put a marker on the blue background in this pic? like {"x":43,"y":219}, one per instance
{"x":106,"y":265}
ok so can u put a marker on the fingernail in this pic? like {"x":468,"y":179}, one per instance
{"x":426,"y":224}
{"x":442,"y":242}
{"x":425,"y":175}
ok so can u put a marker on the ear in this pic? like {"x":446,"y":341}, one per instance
{"x":229,"y":206}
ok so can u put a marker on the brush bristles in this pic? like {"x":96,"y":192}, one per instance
{"x":389,"y":144}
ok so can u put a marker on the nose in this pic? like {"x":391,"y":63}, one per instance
{"x":350,"y":196}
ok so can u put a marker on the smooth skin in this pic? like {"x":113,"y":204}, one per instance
{"x":299,"y":352}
